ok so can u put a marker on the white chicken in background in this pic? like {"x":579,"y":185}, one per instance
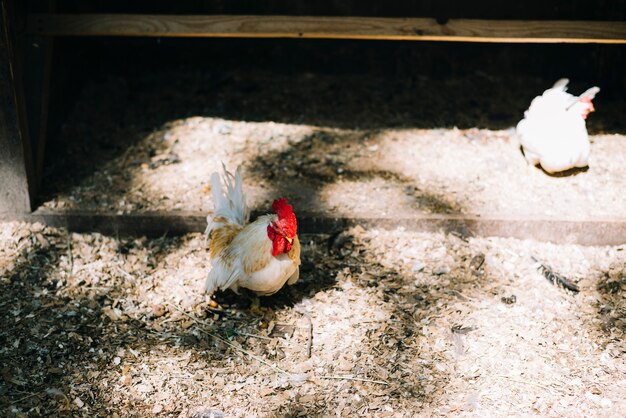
{"x":262,"y":255}
{"x":553,"y":132}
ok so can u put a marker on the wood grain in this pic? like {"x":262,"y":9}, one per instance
{"x":154,"y":224}
{"x":418,"y":29}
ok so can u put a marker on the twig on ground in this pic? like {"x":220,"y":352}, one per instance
{"x":309,"y":339}
{"x":228,"y":343}
{"x":126,"y":274}
{"x":31,"y":395}
{"x":69,"y":254}
{"x":261,"y":337}
{"x":524,"y":382}
{"x":358,"y":379}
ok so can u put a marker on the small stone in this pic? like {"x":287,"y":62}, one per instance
{"x":158,"y":310}
{"x":417,"y":267}
{"x":265,"y":391}
{"x":606,"y":403}
{"x":477,"y":262}
{"x":441,"y":270}
{"x":144,"y":387}
{"x":187,"y":324}
{"x":509,"y":300}
{"x":114,"y":314}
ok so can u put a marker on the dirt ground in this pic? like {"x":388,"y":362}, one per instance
{"x":401,"y":323}
{"x":382,"y":322}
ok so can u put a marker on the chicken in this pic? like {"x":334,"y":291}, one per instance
{"x":553,"y":131}
{"x":260,"y":256}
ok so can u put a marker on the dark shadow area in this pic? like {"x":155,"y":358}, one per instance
{"x":59,"y":332}
{"x":349,"y":84}
{"x":611,"y":307}
{"x":118,"y":92}
{"x":442,"y":10}
{"x":65,"y":338}
{"x":567,"y":173}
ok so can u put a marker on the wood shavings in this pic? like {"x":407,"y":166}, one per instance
{"x":398,"y":338}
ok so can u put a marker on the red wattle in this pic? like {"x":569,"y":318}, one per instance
{"x":278,"y":245}
{"x":271,"y":234}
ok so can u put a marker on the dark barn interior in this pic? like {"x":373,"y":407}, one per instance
{"x":426,"y":237}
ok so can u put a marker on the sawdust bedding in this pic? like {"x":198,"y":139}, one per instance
{"x":328,"y":143}
{"x":397,"y":323}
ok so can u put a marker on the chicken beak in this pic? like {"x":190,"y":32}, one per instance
{"x":289,"y":240}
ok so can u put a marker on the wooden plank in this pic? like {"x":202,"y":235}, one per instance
{"x":37,"y":71}
{"x":16,"y":170}
{"x":37,"y":53}
{"x":375,"y":28}
{"x":585,"y":232}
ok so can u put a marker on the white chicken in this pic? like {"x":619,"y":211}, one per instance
{"x":553,"y":132}
{"x":261,"y":256}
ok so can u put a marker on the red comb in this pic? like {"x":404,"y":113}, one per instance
{"x":285,"y":213}
{"x":282,"y":208}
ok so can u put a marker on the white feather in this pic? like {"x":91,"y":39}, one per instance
{"x":263,"y":282}
{"x":266,"y":281}
{"x":222,"y":276}
{"x":553,"y":132}
{"x":246,"y":261}
{"x":229,"y":202}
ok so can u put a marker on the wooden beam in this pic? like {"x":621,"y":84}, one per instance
{"x":585,"y":232}
{"x":375,"y":28}
{"x":37,"y":54}
{"x":17,"y":182}
{"x":37,"y":71}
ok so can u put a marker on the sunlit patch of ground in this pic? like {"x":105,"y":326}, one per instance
{"x":403,"y":323}
{"x":441,"y":171}
{"x":325,"y":142}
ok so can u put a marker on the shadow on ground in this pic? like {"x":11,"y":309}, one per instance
{"x":611,"y":306}
{"x":83,"y":327}
{"x":118,"y":109}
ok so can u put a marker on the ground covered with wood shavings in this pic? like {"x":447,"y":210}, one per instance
{"x":398,"y":324}
{"x":328,"y":143}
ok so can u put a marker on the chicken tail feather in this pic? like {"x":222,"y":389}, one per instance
{"x":591,"y":92}
{"x":561,"y":83}
{"x":229,"y":200}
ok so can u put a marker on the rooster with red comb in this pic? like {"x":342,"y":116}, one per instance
{"x":260,"y":256}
